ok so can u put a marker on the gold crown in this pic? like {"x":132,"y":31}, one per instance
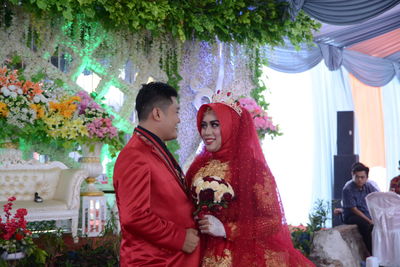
{"x":227,"y":99}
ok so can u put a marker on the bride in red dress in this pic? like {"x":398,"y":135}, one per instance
{"x":252,"y":231}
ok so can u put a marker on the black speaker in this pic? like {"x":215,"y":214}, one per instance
{"x":342,"y":172}
{"x":345,"y":132}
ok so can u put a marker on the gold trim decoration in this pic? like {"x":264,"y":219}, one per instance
{"x":92,"y":180}
{"x":9,"y":145}
{"x":214,"y":168}
{"x":92,"y":194}
{"x":213,"y":261}
{"x":89,"y":160}
{"x":276,"y":259}
{"x":233,"y":230}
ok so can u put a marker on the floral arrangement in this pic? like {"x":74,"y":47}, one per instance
{"x":97,"y":120}
{"x":37,"y":113}
{"x":262,"y":121}
{"x":21,"y":105}
{"x":14,"y":235}
{"x":211,"y":194}
{"x":80,"y":119}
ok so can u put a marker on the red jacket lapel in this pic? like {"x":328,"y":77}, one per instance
{"x":160,"y":153}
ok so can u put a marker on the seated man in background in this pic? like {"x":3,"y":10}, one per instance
{"x":355,"y":210}
{"x":395,"y":183}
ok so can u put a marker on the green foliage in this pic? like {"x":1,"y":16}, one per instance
{"x":302,"y":237}
{"x":171,"y":68}
{"x":173,"y":147}
{"x":242,"y":21}
{"x":258,"y":91}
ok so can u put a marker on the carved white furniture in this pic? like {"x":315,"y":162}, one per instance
{"x":58,"y":186}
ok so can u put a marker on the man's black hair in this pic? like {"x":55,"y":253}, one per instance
{"x":359,"y":167}
{"x":151,"y":95}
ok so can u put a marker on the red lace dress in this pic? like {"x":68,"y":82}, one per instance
{"x":256,"y":230}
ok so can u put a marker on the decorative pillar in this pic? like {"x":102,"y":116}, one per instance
{"x":90,"y":161}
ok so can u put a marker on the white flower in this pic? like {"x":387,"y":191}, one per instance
{"x":12,"y":87}
{"x":13,"y":94}
{"x":43,"y":99}
{"x":5,"y":91}
{"x":214,"y":185}
{"x":36,"y":99}
{"x":24,"y":110}
{"x":19,"y":91}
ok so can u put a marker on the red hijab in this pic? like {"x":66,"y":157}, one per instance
{"x":256,"y":209}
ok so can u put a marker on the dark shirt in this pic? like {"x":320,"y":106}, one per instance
{"x":353,"y":196}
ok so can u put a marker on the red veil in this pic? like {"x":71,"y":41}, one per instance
{"x":260,"y":236}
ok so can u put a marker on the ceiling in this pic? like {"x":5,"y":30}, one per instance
{"x":378,"y":37}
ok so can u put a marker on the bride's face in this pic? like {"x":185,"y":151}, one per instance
{"x":211,"y":131}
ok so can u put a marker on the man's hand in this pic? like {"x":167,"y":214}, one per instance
{"x":338,"y":211}
{"x":191,"y":240}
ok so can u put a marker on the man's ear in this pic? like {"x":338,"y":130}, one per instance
{"x":156,"y":114}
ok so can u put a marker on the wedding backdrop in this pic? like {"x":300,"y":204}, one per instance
{"x":300,"y":61}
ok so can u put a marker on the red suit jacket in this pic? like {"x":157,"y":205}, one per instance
{"x":154,"y":208}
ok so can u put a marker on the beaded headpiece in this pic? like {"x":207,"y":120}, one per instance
{"x":227,"y":99}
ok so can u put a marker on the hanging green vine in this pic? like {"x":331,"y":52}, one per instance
{"x":170,"y":64}
{"x":256,"y":63}
{"x":241,"y":21}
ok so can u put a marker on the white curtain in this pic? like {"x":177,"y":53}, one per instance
{"x":305,"y":106}
{"x":391,"y":113}
{"x":331,"y":93}
{"x":290,"y":156}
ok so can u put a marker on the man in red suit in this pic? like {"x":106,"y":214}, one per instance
{"x":154,"y":205}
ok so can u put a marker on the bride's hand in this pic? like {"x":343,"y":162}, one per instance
{"x":210,"y":224}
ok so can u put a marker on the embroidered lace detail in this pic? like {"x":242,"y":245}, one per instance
{"x":220,"y":261}
{"x":214,"y":168}
{"x":276,"y":259}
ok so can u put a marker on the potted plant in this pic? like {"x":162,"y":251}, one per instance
{"x":15,"y":239}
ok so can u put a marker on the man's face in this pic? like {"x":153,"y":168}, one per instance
{"x":360,"y":178}
{"x":170,"y":120}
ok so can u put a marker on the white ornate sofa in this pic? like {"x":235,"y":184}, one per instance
{"x":58,"y":186}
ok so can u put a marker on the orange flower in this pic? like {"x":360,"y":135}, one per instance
{"x":3,"y":71}
{"x":39,"y":110}
{"x":3,"y":110}
{"x":27,"y":86}
{"x":65,"y":108}
{"x":3,"y":80}
{"x":36,"y":89}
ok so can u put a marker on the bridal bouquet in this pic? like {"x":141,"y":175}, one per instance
{"x":211,"y":194}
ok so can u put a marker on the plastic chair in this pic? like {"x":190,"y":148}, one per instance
{"x":384,"y":208}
